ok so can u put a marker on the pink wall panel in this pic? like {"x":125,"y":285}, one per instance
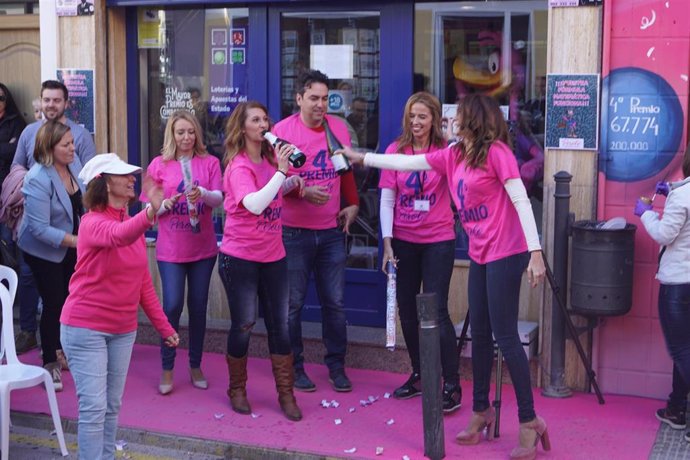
{"x":648,"y":36}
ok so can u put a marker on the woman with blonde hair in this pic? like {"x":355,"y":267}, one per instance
{"x":47,"y":235}
{"x":495,"y":212}
{"x":185,"y":252}
{"x":419,"y":239}
{"x":252,"y":260}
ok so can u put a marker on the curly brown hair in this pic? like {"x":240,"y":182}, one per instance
{"x":234,"y":135}
{"x":480,"y":124}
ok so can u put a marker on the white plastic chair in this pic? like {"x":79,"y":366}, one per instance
{"x":15,"y":375}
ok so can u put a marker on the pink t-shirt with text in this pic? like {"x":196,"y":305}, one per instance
{"x":316,"y":171}
{"x":486,"y":212}
{"x":246,"y":235}
{"x":176,"y":242}
{"x":426,"y":188}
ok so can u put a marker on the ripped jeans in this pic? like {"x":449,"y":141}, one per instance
{"x":244,"y":282}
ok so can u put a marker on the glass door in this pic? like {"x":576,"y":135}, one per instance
{"x":346,"y":46}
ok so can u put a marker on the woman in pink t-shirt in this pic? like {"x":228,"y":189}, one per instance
{"x":186,"y":252}
{"x":496,"y":214}
{"x":419,"y":238}
{"x":252,"y":257}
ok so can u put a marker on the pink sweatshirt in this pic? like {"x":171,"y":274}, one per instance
{"x":112,"y":276}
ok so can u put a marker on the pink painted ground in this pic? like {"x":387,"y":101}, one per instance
{"x":580,"y":428}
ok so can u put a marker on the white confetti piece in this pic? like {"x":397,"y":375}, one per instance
{"x":325,"y":404}
{"x":338,"y":421}
{"x":350,"y":451}
{"x":120,"y":444}
{"x":387,"y":395}
{"x":335,"y":403}
{"x":379,"y":451}
{"x":364,"y":403}
{"x":650,"y":51}
{"x":351,"y":409}
{"x":647,"y":22}
{"x":390,"y":422}
{"x":683,"y":77}
{"x":218,"y":416}
{"x":373,"y":399}
{"x":666,"y":4}
{"x":255,"y":415}
{"x":405,"y":457}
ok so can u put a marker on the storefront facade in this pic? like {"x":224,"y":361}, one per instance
{"x":152,"y":57}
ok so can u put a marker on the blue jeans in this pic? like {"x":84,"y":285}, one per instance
{"x":323,"y":253}
{"x":494,"y":296}
{"x":198,"y":276}
{"x":678,"y":399}
{"x":674,"y":315}
{"x":98,"y":362}
{"x":244,"y":281}
{"x":429,"y":265}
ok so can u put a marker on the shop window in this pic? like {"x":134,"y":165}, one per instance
{"x":345,"y":46}
{"x":478,"y":47}
{"x":193,"y":60}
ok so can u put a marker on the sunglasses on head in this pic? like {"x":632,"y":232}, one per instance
{"x":3,"y":98}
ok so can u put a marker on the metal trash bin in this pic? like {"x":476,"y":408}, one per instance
{"x":601,"y":270}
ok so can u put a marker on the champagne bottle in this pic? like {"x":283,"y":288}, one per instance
{"x":297,"y":158}
{"x":339,"y":161}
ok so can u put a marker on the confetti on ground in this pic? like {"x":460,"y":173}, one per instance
{"x":255,"y":415}
{"x":351,"y":410}
{"x":335,"y":403}
{"x":373,"y":399}
{"x":338,"y":421}
{"x":390,"y":422}
{"x":387,"y":395}
{"x":350,"y":451}
{"x":379,"y":451}
{"x":218,"y":416}
{"x":405,"y":457}
{"x":120,"y":444}
{"x":325,"y":403}
{"x":364,"y":403}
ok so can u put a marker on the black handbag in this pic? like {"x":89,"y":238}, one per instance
{"x":7,"y":257}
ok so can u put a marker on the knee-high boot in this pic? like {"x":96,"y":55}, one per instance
{"x":237,"y":391}
{"x":284,"y":375}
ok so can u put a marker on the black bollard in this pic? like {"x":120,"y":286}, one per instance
{"x":557,"y":387}
{"x":430,"y":360}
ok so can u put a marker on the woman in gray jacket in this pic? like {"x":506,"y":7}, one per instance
{"x":672,"y":232}
{"x":48,"y":232}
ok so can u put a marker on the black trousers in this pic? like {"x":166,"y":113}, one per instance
{"x":52,"y":281}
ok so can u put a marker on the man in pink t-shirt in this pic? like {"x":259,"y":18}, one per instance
{"x":312,"y":239}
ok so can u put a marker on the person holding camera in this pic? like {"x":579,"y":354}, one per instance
{"x":672,"y":233}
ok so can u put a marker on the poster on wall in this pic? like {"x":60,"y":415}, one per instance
{"x":227,"y":69}
{"x":149,"y":29}
{"x":74,"y":7}
{"x":572,"y":111}
{"x":80,"y":104}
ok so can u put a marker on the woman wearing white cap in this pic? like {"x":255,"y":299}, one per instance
{"x":111,"y":279}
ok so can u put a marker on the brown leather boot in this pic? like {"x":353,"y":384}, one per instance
{"x":284,"y":375}
{"x":237,"y":391}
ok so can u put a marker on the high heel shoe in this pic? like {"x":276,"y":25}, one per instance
{"x":480,"y":420}
{"x":198,"y":379}
{"x":530,"y":434}
{"x":166,"y":384}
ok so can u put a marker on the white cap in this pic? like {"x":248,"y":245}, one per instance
{"x":106,"y":163}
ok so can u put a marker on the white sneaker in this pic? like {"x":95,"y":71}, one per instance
{"x":55,"y":371}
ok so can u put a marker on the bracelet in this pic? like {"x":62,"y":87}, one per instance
{"x":283,"y":173}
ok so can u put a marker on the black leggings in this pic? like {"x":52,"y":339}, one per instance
{"x":52,"y":281}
